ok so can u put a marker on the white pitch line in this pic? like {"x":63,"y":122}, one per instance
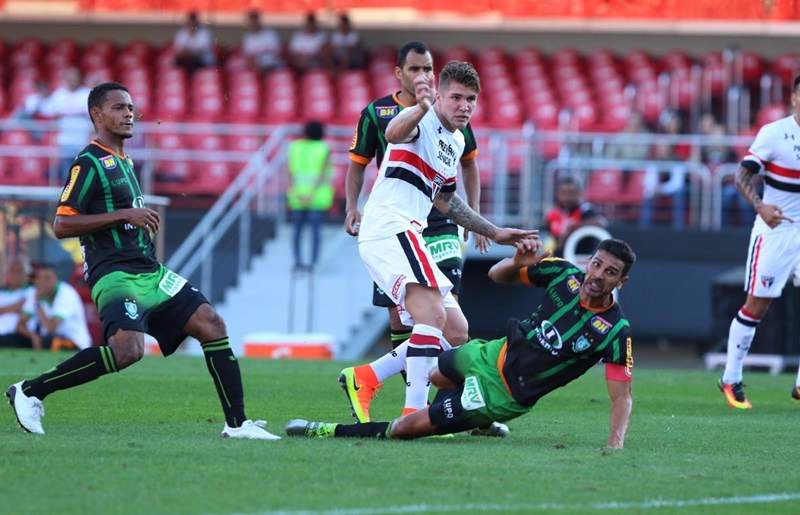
{"x":611,"y":505}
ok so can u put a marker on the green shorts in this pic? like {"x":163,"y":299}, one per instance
{"x":159,"y":303}
{"x":482,"y":396}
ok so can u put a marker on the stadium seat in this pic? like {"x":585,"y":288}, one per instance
{"x":169,"y":169}
{"x":103,"y":47}
{"x":753,"y":68}
{"x":770,"y":113}
{"x":786,"y":67}
{"x":24,"y":167}
{"x":604,"y":186}
{"x":674,"y":60}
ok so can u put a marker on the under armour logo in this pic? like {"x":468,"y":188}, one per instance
{"x":440,"y":129}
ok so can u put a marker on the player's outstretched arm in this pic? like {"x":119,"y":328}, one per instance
{"x":506,"y":271}
{"x":458,"y":211}
{"x":353,"y":183}
{"x":621,"y":406}
{"x":79,"y":225}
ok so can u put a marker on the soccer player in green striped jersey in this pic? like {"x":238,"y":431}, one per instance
{"x":577,"y":325}
{"x":103,"y":204}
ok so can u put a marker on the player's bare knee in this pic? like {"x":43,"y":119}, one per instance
{"x":206,"y":324}
{"x":402,"y":429}
{"x":456,"y":336}
{"x":439,"y":380}
{"x":128,"y":348}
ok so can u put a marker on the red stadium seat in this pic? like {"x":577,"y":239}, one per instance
{"x":770,"y":113}
{"x":786,"y":67}
{"x":169,"y":170}
{"x":24,"y":168}
{"x":604,"y":186}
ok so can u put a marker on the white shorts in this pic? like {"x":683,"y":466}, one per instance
{"x":403,"y":259}
{"x":772,"y":258}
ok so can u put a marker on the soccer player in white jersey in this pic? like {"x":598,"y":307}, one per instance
{"x":419,"y":171}
{"x":774,"y":241}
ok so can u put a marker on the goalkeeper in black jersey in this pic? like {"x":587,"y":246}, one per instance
{"x":577,"y":325}
{"x":103,"y":204}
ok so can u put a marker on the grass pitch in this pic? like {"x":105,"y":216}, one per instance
{"x":147,"y":441}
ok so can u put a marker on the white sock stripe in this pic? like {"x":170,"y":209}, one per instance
{"x":747,"y":317}
{"x":426,"y":330}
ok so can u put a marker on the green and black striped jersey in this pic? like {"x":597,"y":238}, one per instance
{"x":369,"y":141}
{"x":102,"y":181}
{"x":562,"y":339}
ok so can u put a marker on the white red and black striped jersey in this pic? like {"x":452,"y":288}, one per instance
{"x":776,"y":150}
{"x":411,"y":176}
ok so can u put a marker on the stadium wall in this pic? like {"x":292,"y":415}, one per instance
{"x":766,"y":39}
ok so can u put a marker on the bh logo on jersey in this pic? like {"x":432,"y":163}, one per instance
{"x":131,"y":309}
{"x":600,"y":325}
{"x":549,"y":337}
{"x":573,"y":284}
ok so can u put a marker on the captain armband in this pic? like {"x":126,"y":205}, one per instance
{"x":751,"y":166}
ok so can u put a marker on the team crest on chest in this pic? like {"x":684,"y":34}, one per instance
{"x":436,"y":185}
{"x":581,"y":344}
{"x":108,"y":162}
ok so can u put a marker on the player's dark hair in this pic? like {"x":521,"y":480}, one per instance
{"x":620,"y":250}
{"x":418,"y":47}
{"x":796,"y":83}
{"x":44,"y":265}
{"x":97,"y":96}
{"x":314,"y":130}
{"x":460,"y":72}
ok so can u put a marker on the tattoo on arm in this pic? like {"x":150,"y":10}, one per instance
{"x":458,"y":211}
{"x":744,"y":182}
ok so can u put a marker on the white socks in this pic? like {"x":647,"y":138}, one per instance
{"x":424,"y":348}
{"x":740,"y":336}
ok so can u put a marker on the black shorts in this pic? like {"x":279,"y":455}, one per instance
{"x":453,"y":275}
{"x":145,"y":303}
{"x":447,"y":413}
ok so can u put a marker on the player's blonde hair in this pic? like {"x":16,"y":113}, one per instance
{"x":460,"y":72}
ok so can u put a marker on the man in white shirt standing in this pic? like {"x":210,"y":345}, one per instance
{"x":58,"y":312}
{"x":67,"y":105}
{"x":261,"y":45}
{"x":12,"y":297}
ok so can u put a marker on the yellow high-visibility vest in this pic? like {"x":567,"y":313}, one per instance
{"x":306,"y":164}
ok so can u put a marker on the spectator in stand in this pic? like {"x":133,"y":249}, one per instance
{"x":672,"y":184}
{"x":310,"y":192}
{"x":57,"y":311}
{"x":31,"y":107}
{"x":346,"y":47}
{"x":735,"y":208}
{"x":194,"y":45}
{"x":627,"y":147}
{"x":261,"y":45}
{"x":67,"y":105}
{"x":308,"y":47}
{"x":569,"y":214}
{"x":12,"y":297}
